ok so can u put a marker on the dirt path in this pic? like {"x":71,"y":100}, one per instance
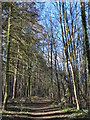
{"x":39,"y":109}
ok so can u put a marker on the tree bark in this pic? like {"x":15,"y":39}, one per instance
{"x":51,"y":63}
{"x":87,"y":49}
{"x":15,"y":75}
{"x":8,"y":59}
{"x":0,"y":56}
{"x":56,"y":72}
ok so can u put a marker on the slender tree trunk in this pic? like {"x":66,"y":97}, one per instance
{"x":15,"y":75}
{"x":17,"y":85}
{"x":58,"y":84}
{"x":7,"y":65}
{"x":66,"y":55}
{"x":85,"y":33}
{"x":51,"y":63}
{"x":87,"y":49}
{"x":73,"y":51}
{"x":72,"y":72}
{"x":48,"y":52}
{"x":0,"y":56}
{"x":86,"y":80}
{"x":14,"y":83}
{"x":29,"y":86}
{"x":29,"y":79}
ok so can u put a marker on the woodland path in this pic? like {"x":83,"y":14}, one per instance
{"x":40,"y":109}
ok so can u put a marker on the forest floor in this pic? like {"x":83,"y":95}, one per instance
{"x":40,"y":109}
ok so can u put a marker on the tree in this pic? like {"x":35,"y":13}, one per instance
{"x":87,"y":48}
{"x":72,"y":72}
{"x":0,"y":55}
{"x":8,"y":58}
{"x":18,"y":36}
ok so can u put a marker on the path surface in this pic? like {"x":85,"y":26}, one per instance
{"x":40,"y":109}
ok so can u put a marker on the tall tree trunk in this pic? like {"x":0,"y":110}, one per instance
{"x":56,"y":72}
{"x":87,"y":49}
{"x":72,"y":72}
{"x":66,"y":54}
{"x":0,"y":56}
{"x":7,"y":64}
{"x":51,"y":63}
{"x":48,"y":51}
{"x":73,"y":50}
{"x":15,"y":75}
{"x":29,"y":79}
{"x":14,"y":83}
{"x":29,"y":86}
{"x":85,"y":33}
